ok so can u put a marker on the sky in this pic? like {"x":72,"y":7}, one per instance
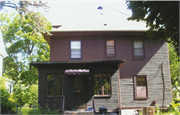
{"x":63,"y":12}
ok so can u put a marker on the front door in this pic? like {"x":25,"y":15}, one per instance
{"x":78,"y":92}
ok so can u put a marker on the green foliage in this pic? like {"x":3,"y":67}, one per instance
{"x":174,"y":68}
{"x":27,"y":8}
{"x":39,"y":110}
{"x":27,"y":95}
{"x":24,"y":44}
{"x":32,"y":95}
{"x":173,"y":109}
{"x":7,"y":102}
{"x":162,"y":18}
{"x":176,"y":100}
{"x":19,"y":95}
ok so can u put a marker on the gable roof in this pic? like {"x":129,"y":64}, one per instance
{"x":2,"y":48}
{"x":111,"y":21}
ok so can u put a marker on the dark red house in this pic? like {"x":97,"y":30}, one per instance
{"x":110,"y":61}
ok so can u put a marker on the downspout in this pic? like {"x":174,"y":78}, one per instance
{"x":162,"y":74}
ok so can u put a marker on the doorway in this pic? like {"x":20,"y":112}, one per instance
{"x":78,"y":92}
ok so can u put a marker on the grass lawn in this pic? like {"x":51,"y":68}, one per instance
{"x":24,"y":110}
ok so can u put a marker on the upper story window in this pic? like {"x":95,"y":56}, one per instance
{"x":75,"y":49}
{"x":102,"y":86}
{"x":110,"y":52}
{"x":138,"y":49}
{"x":140,"y":84}
{"x":54,"y":85}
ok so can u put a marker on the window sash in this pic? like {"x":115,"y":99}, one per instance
{"x":54,"y":85}
{"x":102,"y":85}
{"x":138,"y":49}
{"x":110,"y":48}
{"x":140,"y":84}
{"x":75,"y":49}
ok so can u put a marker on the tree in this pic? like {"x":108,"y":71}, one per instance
{"x":26,"y":8}
{"x":22,"y":6}
{"x":161,"y":16}
{"x":7,"y":102}
{"x":24,"y":44}
{"x":174,"y":67}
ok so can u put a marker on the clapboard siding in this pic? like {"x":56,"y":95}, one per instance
{"x":154,"y":80}
{"x":112,"y":102}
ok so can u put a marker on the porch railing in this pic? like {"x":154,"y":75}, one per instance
{"x":94,"y":107}
{"x":63,"y":104}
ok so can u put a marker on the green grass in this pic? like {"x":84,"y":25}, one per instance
{"x":24,"y":110}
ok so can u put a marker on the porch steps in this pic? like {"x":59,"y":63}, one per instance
{"x":79,"y":112}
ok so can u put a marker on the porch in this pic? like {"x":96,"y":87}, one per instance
{"x":78,"y":89}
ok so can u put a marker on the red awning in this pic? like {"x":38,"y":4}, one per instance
{"x":77,"y":72}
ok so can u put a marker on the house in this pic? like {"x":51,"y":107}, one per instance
{"x":9,"y":83}
{"x":104,"y":61}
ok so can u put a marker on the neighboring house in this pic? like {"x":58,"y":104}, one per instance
{"x":9,"y":83}
{"x":106,"y":58}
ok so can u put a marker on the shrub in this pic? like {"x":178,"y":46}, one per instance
{"x":39,"y":110}
{"x":176,"y":100}
{"x":7,"y":102}
{"x":172,"y":109}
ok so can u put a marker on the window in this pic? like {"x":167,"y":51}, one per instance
{"x":75,"y":49}
{"x":138,"y":50}
{"x":102,"y":84}
{"x":140,"y":84}
{"x":54,"y":85}
{"x":110,"y":48}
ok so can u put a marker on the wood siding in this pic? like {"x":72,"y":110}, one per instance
{"x":94,"y":48}
{"x":112,"y":102}
{"x":154,"y":78}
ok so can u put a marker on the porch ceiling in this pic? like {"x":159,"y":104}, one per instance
{"x":78,"y":64}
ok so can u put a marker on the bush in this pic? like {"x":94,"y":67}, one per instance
{"x":176,"y":100}
{"x":171,"y":109}
{"x":7,"y":102}
{"x":39,"y":110}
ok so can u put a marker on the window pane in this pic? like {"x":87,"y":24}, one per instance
{"x":141,"y":91}
{"x":141,"y":86}
{"x":97,"y":84}
{"x":59,"y":84}
{"x":138,"y":44}
{"x":50,"y":85}
{"x":50,"y":93}
{"x":110,"y":48}
{"x":138,"y":52}
{"x":106,"y":84}
{"x":75,"y":49}
{"x":141,"y":81}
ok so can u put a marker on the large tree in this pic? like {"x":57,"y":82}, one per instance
{"x":161,"y":16}
{"x":22,"y":6}
{"x":24,"y":44}
{"x":25,"y":8}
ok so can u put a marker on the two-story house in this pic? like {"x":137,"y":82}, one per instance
{"x":104,"y":60}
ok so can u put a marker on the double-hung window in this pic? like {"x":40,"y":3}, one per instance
{"x":75,"y":50}
{"x":102,"y":85}
{"x":54,"y":85}
{"x":138,"y":49}
{"x":140,"y":85}
{"x":110,"y":52}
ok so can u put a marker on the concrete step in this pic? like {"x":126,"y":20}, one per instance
{"x":81,"y":112}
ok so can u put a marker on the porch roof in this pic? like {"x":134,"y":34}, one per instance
{"x":78,"y":64}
